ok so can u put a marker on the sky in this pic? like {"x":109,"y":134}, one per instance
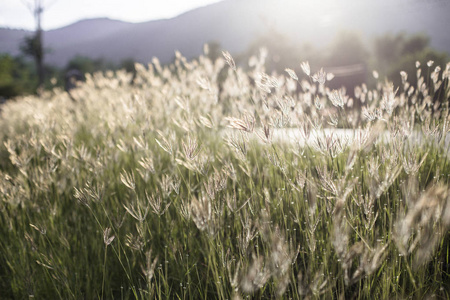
{"x":15,"y":14}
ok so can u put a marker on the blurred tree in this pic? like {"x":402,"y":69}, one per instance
{"x":6,"y":76}
{"x":17,"y":76}
{"x":347,"y":49}
{"x":407,"y":62}
{"x":395,"y":53}
{"x":347,"y":58}
{"x":82,"y":63}
{"x":87,"y":65}
{"x":415,"y":43}
{"x":129,"y":65}
{"x":214,"y":50}
{"x":33,"y":45}
{"x":387,"y":50}
{"x":282,"y":52}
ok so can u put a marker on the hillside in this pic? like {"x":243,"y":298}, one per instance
{"x":235,"y":24}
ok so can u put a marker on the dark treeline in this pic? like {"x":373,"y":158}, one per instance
{"x":347,"y":57}
{"x":18,"y":75}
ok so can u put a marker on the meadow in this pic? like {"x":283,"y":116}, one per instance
{"x":170,"y":184}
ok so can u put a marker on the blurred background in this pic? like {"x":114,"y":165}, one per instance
{"x":47,"y":43}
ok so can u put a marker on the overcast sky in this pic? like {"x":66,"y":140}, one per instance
{"x":14,"y":13}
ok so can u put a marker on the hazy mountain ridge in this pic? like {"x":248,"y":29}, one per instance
{"x":235,"y":24}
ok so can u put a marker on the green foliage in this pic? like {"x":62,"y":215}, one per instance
{"x":347,"y":49}
{"x":17,"y":76}
{"x":87,"y":65}
{"x":32,"y":46}
{"x":407,"y":63}
{"x":396,"y":53}
{"x":389,"y":55}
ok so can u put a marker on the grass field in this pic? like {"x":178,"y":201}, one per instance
{"x":172,"y":187}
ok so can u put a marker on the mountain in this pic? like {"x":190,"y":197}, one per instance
{"x":235,"y":24}
{"x":10,"y":40}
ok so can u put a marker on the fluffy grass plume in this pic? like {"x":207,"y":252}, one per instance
{"x":199,"y":180}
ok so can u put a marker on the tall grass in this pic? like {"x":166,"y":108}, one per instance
{"x":175,"y":184}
